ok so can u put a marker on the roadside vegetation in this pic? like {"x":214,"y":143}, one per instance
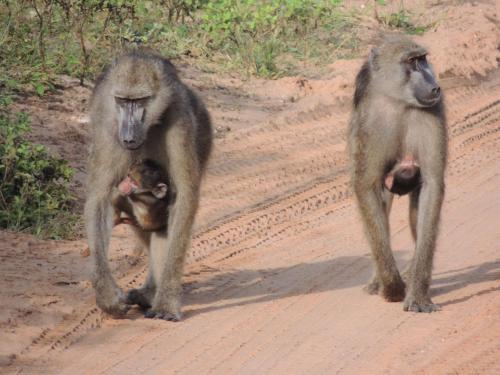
{"x":34,"y":185}
{"x":40,"y":38}
{"x":402,"y":20}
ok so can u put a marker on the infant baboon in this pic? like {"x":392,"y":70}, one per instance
{"x":403,"y":177}
{"x":142,"y":197}
{"x":140,"y":110}
{"x":398,"y":145}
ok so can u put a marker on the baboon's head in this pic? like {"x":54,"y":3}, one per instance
{"x":400,"y":70}
{"x":144,"y":178}
{"x":141,"y":94}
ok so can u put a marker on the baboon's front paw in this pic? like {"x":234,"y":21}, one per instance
{"x":113,"y":303}
{"x":394,"y":291}
{"x":373,"y":287}
{"x":420,"y":304}
{"x":138,"y":297}
{"x":163,"y":314}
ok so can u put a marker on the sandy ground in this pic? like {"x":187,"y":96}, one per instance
{"x":278,"y":259}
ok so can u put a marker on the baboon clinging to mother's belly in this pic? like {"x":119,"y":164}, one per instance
{"x":141,"y":199}
{"x":141,"y":110}
{"x":398,"y":144}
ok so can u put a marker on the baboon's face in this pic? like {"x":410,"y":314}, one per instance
{"x":400,"y":70}
{"x":131,"y":126}
{"x":138,"y":99}
{"x":422,"y":89}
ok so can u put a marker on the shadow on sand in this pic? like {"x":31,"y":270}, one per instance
{"x":218,"y":290}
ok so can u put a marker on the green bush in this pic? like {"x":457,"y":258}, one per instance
{"x":401,"y":20}
{"x":42,"y":38}
{"x":34,"y":194}
{"x":257,"y":32}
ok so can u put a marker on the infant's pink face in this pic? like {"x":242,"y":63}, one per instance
{"x":127,"y":186}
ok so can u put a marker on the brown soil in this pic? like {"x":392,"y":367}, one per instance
{"x":278,"y":259}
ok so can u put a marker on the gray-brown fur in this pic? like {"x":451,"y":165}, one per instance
{"x":141,"y":110}
{"x":398,"y":111}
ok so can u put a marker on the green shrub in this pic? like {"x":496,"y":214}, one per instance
{"x":401,"y":20}
{"x":34,"y":194}
{"x":43,"y":38}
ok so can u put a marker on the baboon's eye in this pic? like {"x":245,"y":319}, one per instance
{"x":421,"y":59}
{"x":412,"y":62}
{"x":142,"y":101}
{"x":138,"y":101}
{"x":121,"y":101}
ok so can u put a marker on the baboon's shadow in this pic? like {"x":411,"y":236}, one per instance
{"x":446,"y":282}
{"x":212,"y":289}
{"x":244,"y":287}
{"x":219,"y":290}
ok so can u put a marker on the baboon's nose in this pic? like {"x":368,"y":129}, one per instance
{"x":436,"y":90}
{"x":131,"y":144}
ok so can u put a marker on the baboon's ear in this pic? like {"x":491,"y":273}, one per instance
{"x":160,"y":190}
{"x":372,"y":58}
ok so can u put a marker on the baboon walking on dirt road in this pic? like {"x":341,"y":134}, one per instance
{"x":141,"y":110}
{"x":398,"y":144}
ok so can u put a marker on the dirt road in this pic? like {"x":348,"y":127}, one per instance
{"x":278,"y":258}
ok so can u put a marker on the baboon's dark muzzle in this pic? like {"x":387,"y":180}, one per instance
{"x":131,"y":132}
{"x":130,"y":136}
{"x":428,"y":91}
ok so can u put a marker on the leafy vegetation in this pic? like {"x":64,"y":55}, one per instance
{"x":401,"y":20}
{"x":34,"y":194}
{"x":41,"y":38}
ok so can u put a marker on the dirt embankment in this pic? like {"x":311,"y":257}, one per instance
{"x":278,"y":258}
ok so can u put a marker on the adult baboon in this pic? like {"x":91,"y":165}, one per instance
{"x":141,"y":110}
{"x":398,"y":143}
{"x":141,"y":198}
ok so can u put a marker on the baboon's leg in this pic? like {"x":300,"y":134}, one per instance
{"x":413,"y":215}
{"x":142,"y":242}
{"x":413,"y":212}
{"x":388,"y":198}
{"x":168,"y":252}
{"x":431,"y":151}
{"x":143,"y":296}
{"x":374,"y":215}
{"x":420,"y":272}
{"x":374,"y":286}
{"x":137,"y":251}
{"x":99,"y":223}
